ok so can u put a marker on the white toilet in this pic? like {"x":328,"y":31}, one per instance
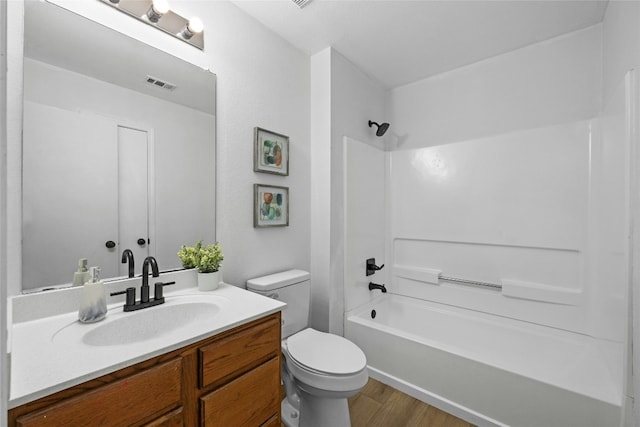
{"x":319,"y":370}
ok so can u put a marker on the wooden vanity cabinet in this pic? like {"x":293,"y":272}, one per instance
{"x":231,"y":379}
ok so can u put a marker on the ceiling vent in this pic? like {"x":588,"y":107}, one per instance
{"x":160,"y":83}
{"x":301,"y":3}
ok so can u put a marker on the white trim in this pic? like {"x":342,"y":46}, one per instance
{"x":632,"y":366}
{"x":4,"y":384}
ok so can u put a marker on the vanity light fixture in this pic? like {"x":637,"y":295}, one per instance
{"x":158,"y":14}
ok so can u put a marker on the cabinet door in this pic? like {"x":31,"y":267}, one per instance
{"x":124,"y":402}
{"x":240,"y":352}
{"x":250,"y":400}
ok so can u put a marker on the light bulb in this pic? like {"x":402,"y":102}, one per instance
{"x":194,"y":26}
{"x":157,"y":9}
{"x":160,"y":6}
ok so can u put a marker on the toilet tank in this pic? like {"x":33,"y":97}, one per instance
{"x":291,"y":287}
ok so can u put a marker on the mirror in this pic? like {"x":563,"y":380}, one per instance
{"x":118,"y":150}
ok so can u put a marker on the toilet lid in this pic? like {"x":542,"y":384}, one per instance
{"x":325,"y":352}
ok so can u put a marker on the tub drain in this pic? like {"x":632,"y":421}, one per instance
{"x":373,"y":314}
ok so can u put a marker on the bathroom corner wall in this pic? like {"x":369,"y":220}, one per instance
{"x":321,"y":169}
{"x":354,"y":99}
{"x":366,"y":204}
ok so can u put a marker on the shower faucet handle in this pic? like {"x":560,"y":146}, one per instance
{"x":372,"y":267}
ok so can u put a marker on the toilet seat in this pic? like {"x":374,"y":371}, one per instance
{"x":325,"y":353}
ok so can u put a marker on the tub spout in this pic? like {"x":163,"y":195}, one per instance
{"x":373,"y":286}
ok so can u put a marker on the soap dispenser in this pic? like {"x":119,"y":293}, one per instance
{"x":93,"y":305}
{"x":81,"y":276}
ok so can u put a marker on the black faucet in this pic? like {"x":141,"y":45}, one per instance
{"x":127,"y":257}
{"x":373,"y":286}
{"x":131,"y":304}
{"x":144,"y":290}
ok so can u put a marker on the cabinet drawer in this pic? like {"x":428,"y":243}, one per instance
{"x":172,"y":419}
{"x":249,"y":400}
{"x":124,"y":402}
{"x":231,"y":356}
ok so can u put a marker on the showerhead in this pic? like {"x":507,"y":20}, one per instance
{"x":381,"y":128}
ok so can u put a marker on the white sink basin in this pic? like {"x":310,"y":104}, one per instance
{"x":120,"y":328}
{"x":149,"y":323}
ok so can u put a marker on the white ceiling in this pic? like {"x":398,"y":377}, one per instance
{"x":399,"y":42}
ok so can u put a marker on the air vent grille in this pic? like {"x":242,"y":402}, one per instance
{"x":301,"y":3}
{"x":160,"y":83}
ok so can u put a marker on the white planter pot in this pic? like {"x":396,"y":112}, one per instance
{"x":209,"y":281}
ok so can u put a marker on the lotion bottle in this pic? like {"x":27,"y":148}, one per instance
{"x":81,"y":276}
{"x":93,"y":304}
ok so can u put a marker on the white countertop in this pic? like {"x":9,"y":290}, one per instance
{"x":49,"y":355}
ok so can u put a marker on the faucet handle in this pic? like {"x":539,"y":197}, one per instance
{"x":131,"y":296}
{"x":372,"y":267}
{"x":158,"y":289}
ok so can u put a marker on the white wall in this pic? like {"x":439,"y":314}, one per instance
{"x":621,"y":44}
{"x":321,"y":168}
{"x":251,"y":92}
{"x":547,"y":83}
{"x":365,"y":225}
{"x":262,"y":81}
{"x":354,"y":99}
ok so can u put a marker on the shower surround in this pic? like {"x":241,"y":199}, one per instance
{"x":541,"y":216}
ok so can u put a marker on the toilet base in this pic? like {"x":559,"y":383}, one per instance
{"x":290,"y":415}
{"x":317,"y":412}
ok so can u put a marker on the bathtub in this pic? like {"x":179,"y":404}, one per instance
{"x":490,"y":370}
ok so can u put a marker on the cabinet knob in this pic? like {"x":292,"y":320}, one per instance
{"x":110,"y":244}
{"x":141,"y":241}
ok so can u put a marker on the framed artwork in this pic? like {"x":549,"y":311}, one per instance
{"x":270,"y":206}
{"x":271,"y":152}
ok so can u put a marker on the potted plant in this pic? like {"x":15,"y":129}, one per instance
{"x":207,"y":260}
